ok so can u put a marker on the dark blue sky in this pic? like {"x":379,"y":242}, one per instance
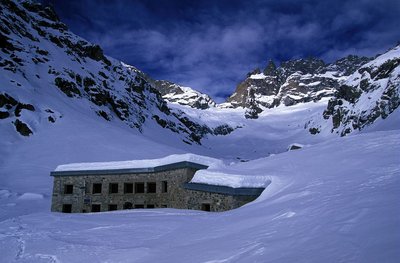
{"x":211,"y":45}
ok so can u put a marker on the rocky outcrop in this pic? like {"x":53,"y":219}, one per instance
{"x":347,"y":65}
{"x":294,"y":81}
{"x":259,"y":88}
{"x":175,"y":93}
{"x":22,"y":128}
{"x":372,"y":92}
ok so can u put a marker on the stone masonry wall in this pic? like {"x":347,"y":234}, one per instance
{"x":83,"y":188}
{"x":176,"y":196}
{"x":218,"y":202}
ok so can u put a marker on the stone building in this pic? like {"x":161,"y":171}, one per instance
{"x":80,"y":191}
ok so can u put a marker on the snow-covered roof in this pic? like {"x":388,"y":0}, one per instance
{"x":137,"y":166}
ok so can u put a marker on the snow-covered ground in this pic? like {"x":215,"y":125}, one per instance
{"x":271,"y":133}
{"x":336,"y":201}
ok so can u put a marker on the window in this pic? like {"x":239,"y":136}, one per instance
{"x":96,"y":189}
{"x":128,"y":205}
{"x":206,"y":207}
{"x":113,"y":188}
{"x":150,"y":206}
{"x":164,"y":186}
{"x":128,"y":188}
{"x":96,"y":208}
{"x":68,"y":189}
{"x":151,"y":187}
{"x":164,"y":206}
{"x":139,"y":206}
{"x":67,"y":208}
{"x":139,"y":187}
{"x":112,"y":207}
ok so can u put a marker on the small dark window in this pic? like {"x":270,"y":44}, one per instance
{"x":128,"y":205}
{"x":139,"y":206}
{"x":96,"y":189}
{"x":164,"y":206}
{"x":164,"y":186}
{"x":68,"y":189}
{"x":206,"y":207}
{"x":150,"y":206}
{"x":139,"y":188}
{"x":151,"y":187}
{"x":128,"y":188}
{"x":113,"y":188}
{"x":112,"y":207}
{"x":67,"y":208}
{"x":96,"y":208}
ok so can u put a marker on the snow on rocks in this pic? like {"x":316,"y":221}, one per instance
{"x":258,"y":76}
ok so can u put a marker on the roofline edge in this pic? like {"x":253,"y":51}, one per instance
{"x":160,"y":168}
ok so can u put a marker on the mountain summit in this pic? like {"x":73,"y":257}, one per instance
{"x":294,"y":81}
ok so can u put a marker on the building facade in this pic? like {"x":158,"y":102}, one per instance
{"x":154,"y":187}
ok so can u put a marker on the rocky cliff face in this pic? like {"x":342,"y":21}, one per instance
{"x":41,"y":62}
{"x":294,"y":81}
{"x":372,"y":92}
{"x":175,"y":93}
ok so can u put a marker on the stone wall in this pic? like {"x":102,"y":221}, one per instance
{"x":218,"y":202}
{"x":82,"y":197}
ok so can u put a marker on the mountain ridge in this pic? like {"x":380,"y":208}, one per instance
{"x":294,"y":81}
{"x":39,"y":56}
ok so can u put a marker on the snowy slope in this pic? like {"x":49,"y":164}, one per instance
{"x":45,"y":68}
{"x":271,"y":133}
{"x":335,"y":201}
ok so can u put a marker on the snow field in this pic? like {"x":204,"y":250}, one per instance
{"x":336,"y":201}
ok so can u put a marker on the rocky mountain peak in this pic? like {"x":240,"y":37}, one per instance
{"x":254,"y":72}
{"x":294,"y":81}
{"x":166,"y":87}
{"x":175,"y":93}
{"x":305,"y":66}
{"x":270,"y":69}
{"x":347,"y":65}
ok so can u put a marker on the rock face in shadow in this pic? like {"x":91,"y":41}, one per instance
{"x":32,"y":36}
